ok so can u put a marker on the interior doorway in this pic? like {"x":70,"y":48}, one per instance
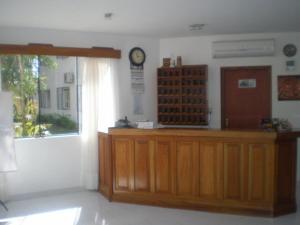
{"x":246,"y":96}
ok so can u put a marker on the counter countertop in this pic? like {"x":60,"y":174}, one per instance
{"x":204,"y":132}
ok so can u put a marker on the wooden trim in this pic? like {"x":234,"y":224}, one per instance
{"x":48,"y":49}
{"x":192,"y":204}
{"x":200,"y":133}
{"x":223,"y":69}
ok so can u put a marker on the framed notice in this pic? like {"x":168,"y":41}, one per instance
{"x":289,"y":87}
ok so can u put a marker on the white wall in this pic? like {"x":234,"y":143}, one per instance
{"x":45,"y":164}
{"x":197,"y":50}
{"x":55,"y":163}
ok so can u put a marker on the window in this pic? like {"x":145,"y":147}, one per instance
{"x":45,"y":91}
{"x":63,"y":98}
{"x":45,"y":99}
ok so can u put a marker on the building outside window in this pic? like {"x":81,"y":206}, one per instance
{"x":63,"y":98}
{"x":45,"y":92}
{"x":45,"y":99}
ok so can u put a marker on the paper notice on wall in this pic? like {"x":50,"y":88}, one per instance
{"x":137,"y":80}
{"x":138,"y":107}
{"x":247,"y":83}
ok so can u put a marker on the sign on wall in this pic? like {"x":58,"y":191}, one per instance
{"x":247,"y":83}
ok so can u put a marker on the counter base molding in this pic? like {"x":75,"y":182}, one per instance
{"x":243,"y":172}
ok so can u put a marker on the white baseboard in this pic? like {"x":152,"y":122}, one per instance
{"x":19,"y":197}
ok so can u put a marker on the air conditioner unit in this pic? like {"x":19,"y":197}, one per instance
{"x":243,"y":48}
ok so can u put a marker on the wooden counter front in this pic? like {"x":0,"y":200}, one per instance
{"x":249,"y":172}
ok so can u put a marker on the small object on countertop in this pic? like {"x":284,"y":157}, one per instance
{"x":123,"y":123}
{"x":173,"y":64}
{"x":145,"y":124}
{"x":275,"y":123}
{"x":166,"y":62}
{"x":266,"y":124}
{"x":284,"y":125}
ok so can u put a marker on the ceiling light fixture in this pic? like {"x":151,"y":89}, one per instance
{"x":108,"y":15}
{"x":196,"y":26}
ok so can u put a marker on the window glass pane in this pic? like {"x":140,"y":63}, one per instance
{"x":19,"y":75}
{"x":45,"y":93}
{"x":58,"y":96}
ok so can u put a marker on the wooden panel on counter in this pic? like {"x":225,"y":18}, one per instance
{"x":163,"y":165}
{"x":248,"y":172}
{"x":143,"y":151}
{"x":260,"y":167}
{"x":122,"y":162}
{"x":233,"y":171}
{"x":104,"y":163}
{"x":210,"y":170}
{"x":186,"y":167}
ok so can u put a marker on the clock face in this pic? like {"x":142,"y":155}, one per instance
{"x":137,"y":56}
{"x":289,"y":50}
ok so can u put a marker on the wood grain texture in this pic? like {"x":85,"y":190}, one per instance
{"x":143,"y":148}
{"x":210,"y":170}
{"x":256,"y":135}
{"x":233,"y":171}
{"x":259,"y":173}
{"x":48,"y":49}
{"x":123,"y":164}
{"x":105,"y":165}
{"x":186,"y":166}
{"x":163,"y":165}
{"x":204,"y":172}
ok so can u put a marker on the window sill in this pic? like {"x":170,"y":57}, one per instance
{"x":50,"y":137}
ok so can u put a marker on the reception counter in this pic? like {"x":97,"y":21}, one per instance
{"x":247,"y":172}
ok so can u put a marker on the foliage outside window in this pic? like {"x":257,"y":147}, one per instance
{"x":34,"y":81}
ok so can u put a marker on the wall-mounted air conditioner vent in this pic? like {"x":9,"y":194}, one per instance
{"x":243,"y":48}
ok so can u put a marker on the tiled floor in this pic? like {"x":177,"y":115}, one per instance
{"x":87,"y":208}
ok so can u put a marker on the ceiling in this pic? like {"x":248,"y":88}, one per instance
{"x":154,"y":18}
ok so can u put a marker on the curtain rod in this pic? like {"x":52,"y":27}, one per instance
{"x":49,"y":49}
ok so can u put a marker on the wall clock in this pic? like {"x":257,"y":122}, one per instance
{"x":137,"y":56}
{"x":290,"y":50}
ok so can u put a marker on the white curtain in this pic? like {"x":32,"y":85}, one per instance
{"x":99,"y":110}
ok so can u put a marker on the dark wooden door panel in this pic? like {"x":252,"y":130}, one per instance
{"x":246,"y":96}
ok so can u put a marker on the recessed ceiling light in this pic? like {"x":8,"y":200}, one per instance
{"x":108,"y":15}
{"x":196,"y":26}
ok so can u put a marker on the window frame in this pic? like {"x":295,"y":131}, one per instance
{"x":50,"y":50}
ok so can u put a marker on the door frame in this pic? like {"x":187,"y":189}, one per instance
{"x":268,"y":69}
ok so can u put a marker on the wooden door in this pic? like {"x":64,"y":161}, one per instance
{"x":123,"y":150}
{"x":143,"y":163}
{"x":187,"y":166}
{"x":210,"y":170}
{"x":164,"y":164}
{"x":245,"y":96}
